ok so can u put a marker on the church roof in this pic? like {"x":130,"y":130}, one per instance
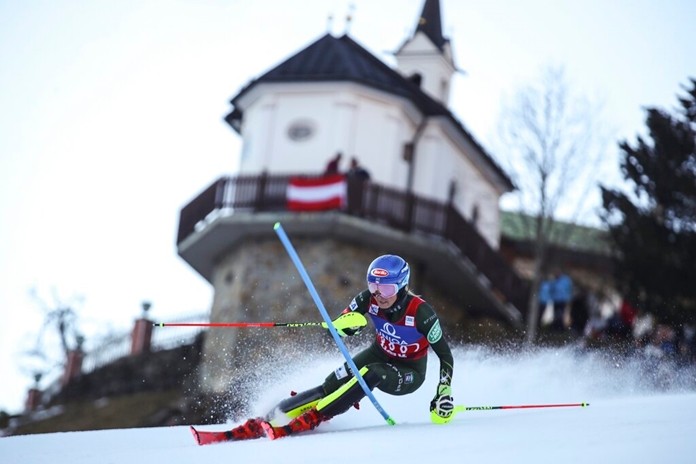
{"x":341,"y":59}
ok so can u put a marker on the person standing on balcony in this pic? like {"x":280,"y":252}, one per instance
{"x":357,"y":171}
{"x":405,"y":328}
{"x":357,"y":176}
{"x":333,"y":164}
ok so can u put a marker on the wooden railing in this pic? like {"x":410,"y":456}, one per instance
{"x":397,"y":209}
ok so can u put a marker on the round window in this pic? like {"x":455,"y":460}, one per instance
{"x":300,"y":131}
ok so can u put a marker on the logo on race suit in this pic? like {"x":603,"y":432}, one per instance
{"x":374,"y":309}
{"x":389,"y":329}
{"x":393,"y":344}
{"x":353,"y":305}
{"x":435,"y":333}
{"x":410,"y":321}
{"x":341,"y":373}
{"x":379,"y":272}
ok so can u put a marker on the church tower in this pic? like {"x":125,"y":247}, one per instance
{"x":426,"y":57}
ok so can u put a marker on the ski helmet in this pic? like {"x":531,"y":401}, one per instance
{"x":388,"y":274}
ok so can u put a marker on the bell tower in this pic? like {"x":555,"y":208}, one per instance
{"x":426,"y":57}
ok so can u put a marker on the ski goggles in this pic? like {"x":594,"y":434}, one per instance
{"x":385,"y":290}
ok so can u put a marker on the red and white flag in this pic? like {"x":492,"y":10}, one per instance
{"x":318,"y":194}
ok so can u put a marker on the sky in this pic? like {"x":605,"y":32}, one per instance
{"x":628,"y":421}
{"x":113,"y":120}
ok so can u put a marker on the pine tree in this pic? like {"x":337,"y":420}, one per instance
{"x":653,"y":227}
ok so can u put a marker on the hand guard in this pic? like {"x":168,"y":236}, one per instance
{"x":348,"y":324}
{"x":442,"y":406}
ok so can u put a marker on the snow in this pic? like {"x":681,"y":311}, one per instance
{"x":640,"y":412}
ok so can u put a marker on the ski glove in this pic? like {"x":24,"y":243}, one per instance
{"x":442,"y":406}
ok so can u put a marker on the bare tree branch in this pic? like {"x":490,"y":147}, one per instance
{"x":553,"y":146}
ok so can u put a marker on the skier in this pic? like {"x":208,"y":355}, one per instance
{"x":395,"y":363}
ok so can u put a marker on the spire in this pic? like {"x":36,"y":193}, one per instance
{"x":430,"y":23}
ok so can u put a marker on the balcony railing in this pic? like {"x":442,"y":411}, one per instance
{"x":397,"y":209}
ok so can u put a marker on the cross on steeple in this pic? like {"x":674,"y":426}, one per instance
{"x":349,"y":17}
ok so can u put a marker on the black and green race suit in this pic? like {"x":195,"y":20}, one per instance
{"x":397,"y":359}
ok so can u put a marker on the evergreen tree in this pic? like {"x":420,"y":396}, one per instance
{"x":653,"y":227}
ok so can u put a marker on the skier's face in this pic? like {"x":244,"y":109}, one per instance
{"x":383,"y":302}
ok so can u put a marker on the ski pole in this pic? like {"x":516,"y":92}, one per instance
{"x":238,"y":324}
{"x":461,"y":407}
{"x":350,"y":320}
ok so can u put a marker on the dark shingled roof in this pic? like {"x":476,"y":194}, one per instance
{"x":342,"y":59}
{"x":331,"y":59}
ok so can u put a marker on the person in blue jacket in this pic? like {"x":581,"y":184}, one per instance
{"x":562,"y":294}
{"x":544,"y":297}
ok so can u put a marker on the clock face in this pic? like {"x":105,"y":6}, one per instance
{"x":301,"y":130}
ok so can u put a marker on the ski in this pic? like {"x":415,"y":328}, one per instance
{"x":206,"y":438}
{"x":251,"y":429}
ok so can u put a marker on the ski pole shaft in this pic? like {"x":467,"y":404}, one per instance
{"x":349,"y":320}
{"x":238,"y":324}
{"x":460,"y":408}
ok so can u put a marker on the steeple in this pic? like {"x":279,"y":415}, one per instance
{"x":430,"y":23}
{"x":426,"y":58}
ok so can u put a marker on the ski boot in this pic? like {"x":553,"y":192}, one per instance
{"x":307,"y":421}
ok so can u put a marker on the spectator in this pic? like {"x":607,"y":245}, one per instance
{"x":579,"y":313}
{"x":357,"y":177}
{"x":628,"y":314}
{"x":662,"y":342}
{"x":620,"y":324}
{"x":643,"y":326}
{"x":332,"y":165}
{"x":561,"y":293}
{"x":543,"y":297}
{"x":596,"y":322}
{"x":356,"y":171}
{"x":685,"y":343}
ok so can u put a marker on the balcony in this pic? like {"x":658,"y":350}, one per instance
{"x":445,"y":244}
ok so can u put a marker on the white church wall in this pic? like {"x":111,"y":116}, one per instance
{"x":381,"y":135}
{"x":341,"y":117}
{"x":439,"y":162}
{"x":477,"y":200}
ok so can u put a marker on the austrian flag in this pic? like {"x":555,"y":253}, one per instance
{"x":317,"y":194}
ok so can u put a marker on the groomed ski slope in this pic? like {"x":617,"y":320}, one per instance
{"x":636,"y":416}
